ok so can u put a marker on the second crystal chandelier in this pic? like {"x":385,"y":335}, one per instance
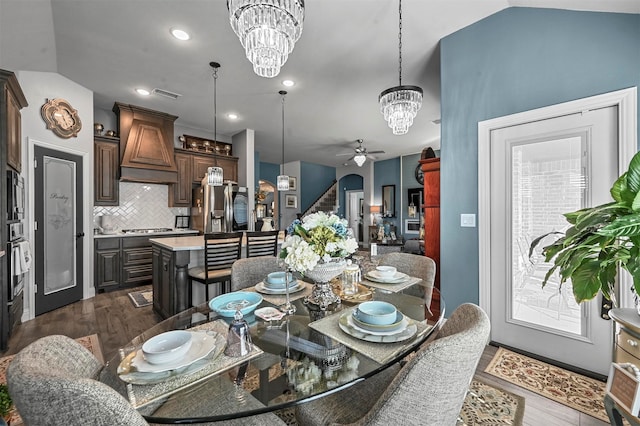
{"x":268,"y":31}
{"x":400,"y":104}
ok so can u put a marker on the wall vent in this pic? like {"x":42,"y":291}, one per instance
{"x":165,"y":93}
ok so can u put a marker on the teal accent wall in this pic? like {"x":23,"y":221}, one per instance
{"x":269,"y":172}
{"x":314,"y":180}
{"x":409,"y":164}
{"x":348,"y":183}
{"x":387,"y":172}
{"x":516,"y":60}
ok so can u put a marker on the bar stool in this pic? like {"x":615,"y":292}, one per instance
{"x":221,"y":249}
{"x":262,"y":243}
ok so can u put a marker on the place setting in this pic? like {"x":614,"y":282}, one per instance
{"x":274,"y":287}
{"x":373,"y":328}
{"x":389,"y":278}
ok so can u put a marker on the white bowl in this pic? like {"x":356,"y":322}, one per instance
{"x":386,"y":271}
{"x":376,"y":313}
{"x":166,"y":347}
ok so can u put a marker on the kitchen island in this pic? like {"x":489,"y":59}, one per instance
{"x":172,"y":258}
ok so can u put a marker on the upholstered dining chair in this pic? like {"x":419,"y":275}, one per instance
{"x":428,"y":390}
{"x":262,"y":243}
{"x":221,"y":249}
{"x":248,"y":272}
{"x":52,"y":381}
{"x":411,"y":264}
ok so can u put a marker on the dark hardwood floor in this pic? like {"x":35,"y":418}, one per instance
{"x":116,"y":321}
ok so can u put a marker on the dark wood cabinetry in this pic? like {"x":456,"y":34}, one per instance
{"x":12,"y":100}
{"x":431,"y":173}
{"x":163,"y":279}
{"x":106,"y":155}
{"x":146,"y":144}
{"x":192,"y":167}
{"x":122,"y":262}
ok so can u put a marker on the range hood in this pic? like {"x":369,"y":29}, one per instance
{"x":146,"y":145}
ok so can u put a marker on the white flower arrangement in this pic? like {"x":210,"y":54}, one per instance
{"x":318,"y":238}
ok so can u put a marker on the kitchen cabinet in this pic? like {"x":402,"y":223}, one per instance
{"x":431,"y":174}
{"x":163,"y":282}
{"x":12,"y":100}
{"x":106,"y":155}
{"x":192,"y":167}
{"x":122,"y":262}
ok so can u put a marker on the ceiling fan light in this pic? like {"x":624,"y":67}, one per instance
{"x":282,"y":181}
{"x":360,"y":159}
{"x":268,"y":31}
{"x":400,"y":105}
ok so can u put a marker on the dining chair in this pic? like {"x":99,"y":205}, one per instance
{"x":262,"y":243}
{"x":221,"y":249}
{"x":248,"y":272}
{"x":429,"y":389}
{"x":411,"y":264}
{"x":52,"y":381}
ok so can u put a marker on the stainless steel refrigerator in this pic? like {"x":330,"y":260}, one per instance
{"x":220,"y":208}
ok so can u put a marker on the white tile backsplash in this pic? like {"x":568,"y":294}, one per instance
{"x":142,"y":205}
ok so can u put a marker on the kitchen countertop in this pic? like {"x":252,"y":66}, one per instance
{"x":149,"y":234}
{"x":192,"y":242}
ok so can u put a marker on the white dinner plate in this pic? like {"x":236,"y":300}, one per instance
{"x":203,"y":343}
{"x":260,"y":288}
{"x":397,"y":325}
{"x":130,"y":374}
{"x":397,"y":278}
{"x":348,"y":326}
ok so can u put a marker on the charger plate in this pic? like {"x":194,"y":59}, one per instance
{"x":347,"y":325}
{"x":262,"y":288}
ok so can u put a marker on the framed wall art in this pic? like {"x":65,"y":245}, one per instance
{"x":291,"y":201}
{"x":293,"y":183}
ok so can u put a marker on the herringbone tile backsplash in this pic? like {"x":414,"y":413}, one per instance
{"x":142,"y":205}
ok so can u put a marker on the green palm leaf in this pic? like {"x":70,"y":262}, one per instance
{"x":625,"y":226}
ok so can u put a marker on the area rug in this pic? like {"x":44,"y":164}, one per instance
{"x":486,"y":405}
{"x":141,"y":298}
{"x":573,"y":390}
{"x":90,"y":342}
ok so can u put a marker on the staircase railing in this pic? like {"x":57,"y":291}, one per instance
{"x":314,"y":205}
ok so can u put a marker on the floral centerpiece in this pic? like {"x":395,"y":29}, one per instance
{"x":316,"y":246}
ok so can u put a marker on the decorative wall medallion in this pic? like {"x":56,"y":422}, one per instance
{"x":61,"y":118}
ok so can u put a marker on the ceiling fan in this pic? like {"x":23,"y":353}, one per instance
{"x":361,"y":154}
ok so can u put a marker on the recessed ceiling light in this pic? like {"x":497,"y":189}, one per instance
{"x":232,"y":116}
{"x":143,"y":92}
{"x":180,"y":34}
{"x":288,"y":83}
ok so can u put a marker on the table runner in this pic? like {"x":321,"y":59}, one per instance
{"x":379,"y":352}
{"x":142,"y":395}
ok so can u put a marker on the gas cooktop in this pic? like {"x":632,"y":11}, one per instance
{"x":146,"y":230}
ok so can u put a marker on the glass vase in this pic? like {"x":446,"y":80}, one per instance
{"x":322,"y":296}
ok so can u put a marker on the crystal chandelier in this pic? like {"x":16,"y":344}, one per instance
{"x":360,"y":159}
{"x":282,"y":181}
{"x":268,"y":31}
{"x":215,"y":174}
{"x":400,"y":104}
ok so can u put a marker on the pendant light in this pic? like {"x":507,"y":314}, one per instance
{"x":268,"y":31}
{"x":215,"y":174}
{"x":360,"y":159}
{"x":282,"y":180}
{"x":400,"y":104}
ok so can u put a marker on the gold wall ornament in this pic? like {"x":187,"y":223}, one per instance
{"x":61,"y":118}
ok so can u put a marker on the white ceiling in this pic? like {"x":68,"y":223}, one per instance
{"x":347,"y":55}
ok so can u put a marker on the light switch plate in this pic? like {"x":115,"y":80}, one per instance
{"x":468,"y":220}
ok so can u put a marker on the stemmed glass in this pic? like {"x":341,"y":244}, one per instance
{"x":287,"y":308}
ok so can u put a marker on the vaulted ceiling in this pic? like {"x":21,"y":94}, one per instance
{"x":347,"y":55}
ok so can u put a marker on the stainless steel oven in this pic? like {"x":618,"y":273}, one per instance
{"x":15,"y":196}
{"x":16,"y":274}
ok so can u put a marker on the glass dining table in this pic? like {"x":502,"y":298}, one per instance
{"x":295,"y":359}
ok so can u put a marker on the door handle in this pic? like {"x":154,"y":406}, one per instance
{"x":80,"y":235}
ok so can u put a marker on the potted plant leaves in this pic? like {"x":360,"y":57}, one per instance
{"x":5,"y":403}
{"x":599,"y":240}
